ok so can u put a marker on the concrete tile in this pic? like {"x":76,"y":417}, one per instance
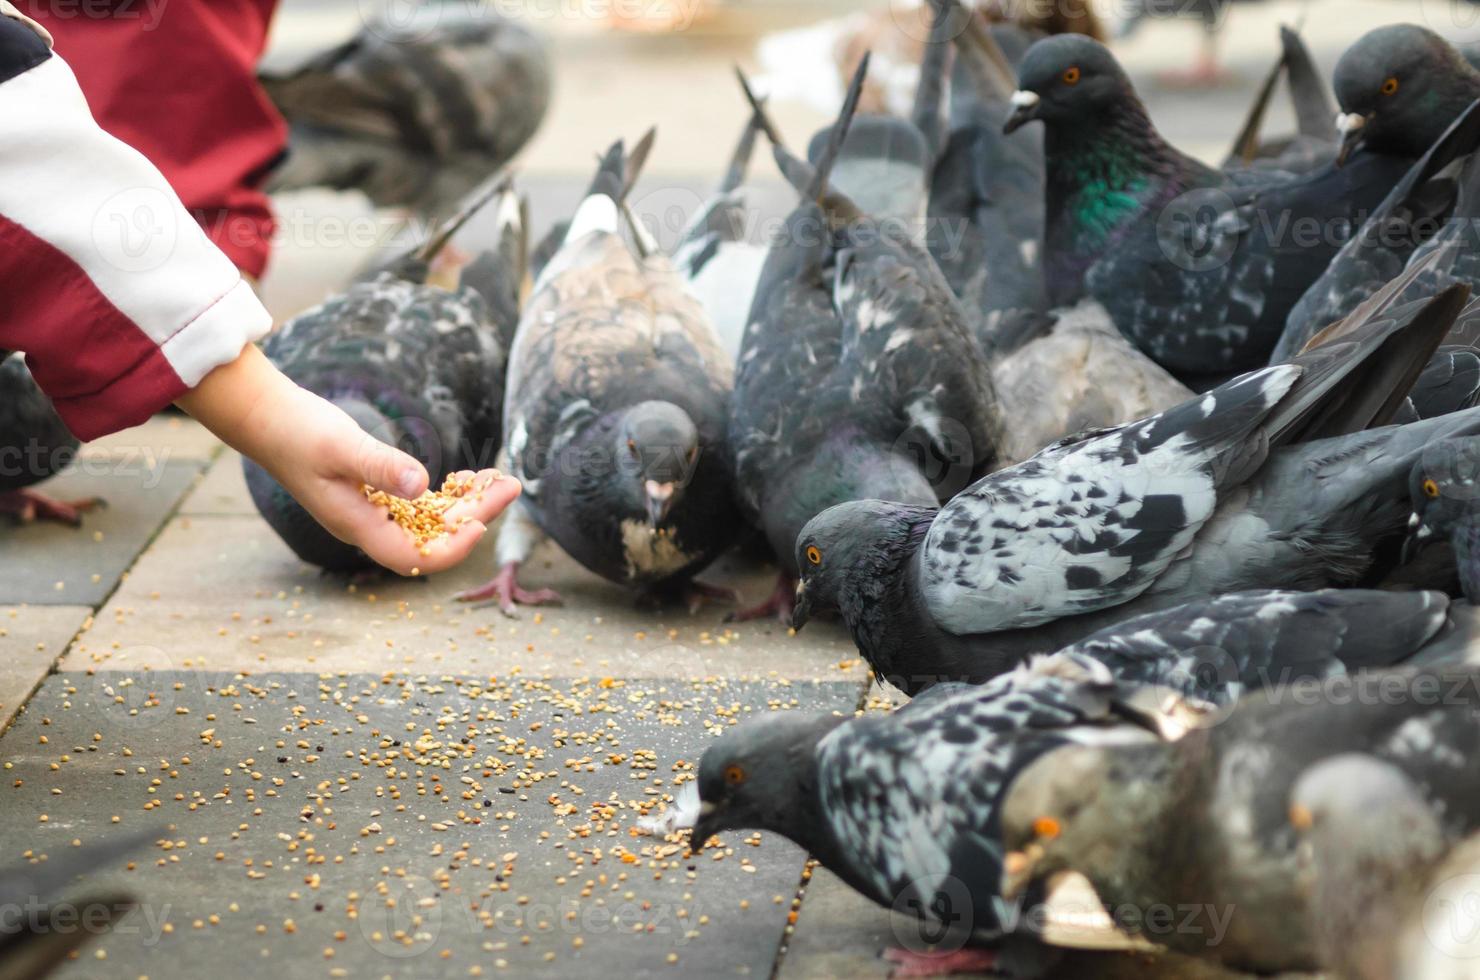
{"x":164,"y":437}
{"x":222,"y":490}
{"x":51,"y":564}
{"x":32,"y":638}
{"x":225,"y":593}
{"x":495,"y":815}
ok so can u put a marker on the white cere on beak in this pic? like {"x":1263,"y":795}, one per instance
{"x":658,"y":491}
{"x":1412,"y":521}
{"x":1024,"y":100}
{"x":1349,"y":122}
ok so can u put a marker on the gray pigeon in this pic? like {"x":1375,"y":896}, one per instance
{"x":1236,"y":489}
{"x":1444,"y":487}
{"x":1079,"y":374}
{"x":1197,"y":267}
{"x":1428,"y":217}
{"x":858,"y":377}
{"x":1213,"y":650}
{"x":1399,"y":88}
{"x":985,"y":212}
{"x":614,"y":415}
{"x":34,"y":444}
{"x":1370,"y":842}
{"x":904,"y":806}
{"x":1204,"y":822}
{"x":413,"y":111}
{"x":418,"y":366}
{"x":716,"y":254}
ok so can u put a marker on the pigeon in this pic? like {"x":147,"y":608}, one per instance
{"x":1269,"y":481}
{"x":34,"y":444}
{"x":1212,"y":650}
{"x":986,"y":200}
{"x":903,"y":806}
{"x":858,"y":376}
{"x":416,"y":365}
{"x":1197,"y":267}
{"x":1431,"y":212}
{"x":1399,"y":88}
{"x":1203,"y":823}
{"x":1444,"y":485}
{"x":414,"y":110}
{"x":615,"y":414}
{"x":44,"y":912}
{"x":1370,"y":842}
{"x":716,"y":254}
{"x":1081,"y":374}
{"x":1316,"y":139}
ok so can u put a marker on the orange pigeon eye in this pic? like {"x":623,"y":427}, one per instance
{"x":1430,"y":489}
{"x":1046,"y":827}
{"x":814,"y":555}
{"x":1390,"y":86}
{"x":734,"y":775}
{"x":1071,"y":75}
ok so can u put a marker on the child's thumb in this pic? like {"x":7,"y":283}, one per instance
{"x":388,"y":468}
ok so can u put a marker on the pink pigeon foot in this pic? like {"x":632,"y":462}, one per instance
{"x":505,"y":587}
{"x":968,"y":960}
{"x":28,"y":506}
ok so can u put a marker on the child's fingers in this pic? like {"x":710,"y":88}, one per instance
{"x":388,"y":468}
{"x":389,"y":545}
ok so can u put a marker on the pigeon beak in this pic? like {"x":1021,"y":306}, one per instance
{"x":801,"y":609}
{"x":1350,"y":126}
{"x":1419,"y":534}
{"x":705,"y":827}
{"x":1017,"y":871}
{"x":659,"y":501}
{"x":1024,"y":109}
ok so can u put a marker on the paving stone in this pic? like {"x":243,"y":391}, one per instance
{"x":223,"y":489}
{"x":164,"y":437}
{"x":225,"y":593}
{"x":88,"y":561}
{"x":31,"y":640}
{"x":298,"y":807}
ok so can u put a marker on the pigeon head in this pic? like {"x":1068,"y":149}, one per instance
{"x":1358,"y":803}
{"x":763,"y":775}
{"x":1068,"y":79}
{"x":851,"y":548}
{"x":1076,"y":809}
{"x":1399,"y":88}
{"x":658,"y":448}
{"x":1444,"y":487}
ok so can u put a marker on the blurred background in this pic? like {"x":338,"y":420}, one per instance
{"x":620,"y":66}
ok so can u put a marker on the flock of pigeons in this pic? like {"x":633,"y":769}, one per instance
{"x":1114,"y":462}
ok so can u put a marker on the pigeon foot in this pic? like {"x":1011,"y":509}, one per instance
{"x":28,"y":506}
{"x":778,"y":606}
{"x":696,"y":593}
{"x":505,"y":587}
{"x":968,"y":960}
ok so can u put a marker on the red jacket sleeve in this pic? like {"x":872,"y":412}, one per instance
{"x":117,"y":297}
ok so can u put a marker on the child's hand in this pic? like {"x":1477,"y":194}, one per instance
{"x":323,"y":459}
